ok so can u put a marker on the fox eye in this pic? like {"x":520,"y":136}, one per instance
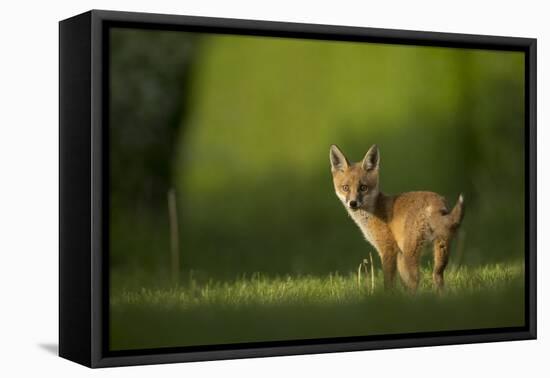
{"x":345,"y":188}
{"x":363,"y":188}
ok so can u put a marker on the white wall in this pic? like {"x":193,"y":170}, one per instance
{"x":28,"y":185}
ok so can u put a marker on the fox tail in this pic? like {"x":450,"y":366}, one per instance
{"x":457,"y":213}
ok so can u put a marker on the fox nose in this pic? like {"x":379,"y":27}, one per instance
{"x":353,"y":204}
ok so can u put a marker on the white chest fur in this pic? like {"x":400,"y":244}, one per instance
{"x":362,"y":219}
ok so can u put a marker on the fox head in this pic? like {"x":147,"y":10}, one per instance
{"x":356,"y":184}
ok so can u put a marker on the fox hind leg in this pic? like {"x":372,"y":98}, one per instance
{"x":441,"y":258}
{"x":408,"y":267}
{"x":408,"y":261}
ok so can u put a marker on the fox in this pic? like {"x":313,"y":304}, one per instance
{"x":397,"y":226}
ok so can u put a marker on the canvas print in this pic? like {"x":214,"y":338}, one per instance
{"x":266,"y":189}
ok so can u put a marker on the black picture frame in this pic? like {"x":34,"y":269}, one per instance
{"x":84,"y":198}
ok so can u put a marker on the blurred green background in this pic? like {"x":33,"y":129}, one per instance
{"x":241,"y":126}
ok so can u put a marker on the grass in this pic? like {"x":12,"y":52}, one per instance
{"x":260,"y":308}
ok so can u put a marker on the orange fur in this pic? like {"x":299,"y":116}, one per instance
{"x":397,"y":226}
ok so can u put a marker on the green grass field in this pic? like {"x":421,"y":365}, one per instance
{"x":258,"y":308}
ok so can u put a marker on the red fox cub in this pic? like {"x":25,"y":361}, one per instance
{"x":397,"y":226}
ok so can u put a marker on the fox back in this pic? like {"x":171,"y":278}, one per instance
{"x":397,"y":226}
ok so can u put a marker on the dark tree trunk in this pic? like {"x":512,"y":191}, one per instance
{"x":148,"y":87}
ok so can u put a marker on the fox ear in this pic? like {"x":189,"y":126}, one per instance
{"x":338,"y":161}
{"x":372,"y":158}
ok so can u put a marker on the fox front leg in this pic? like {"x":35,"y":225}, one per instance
{"x":389,"y":267}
